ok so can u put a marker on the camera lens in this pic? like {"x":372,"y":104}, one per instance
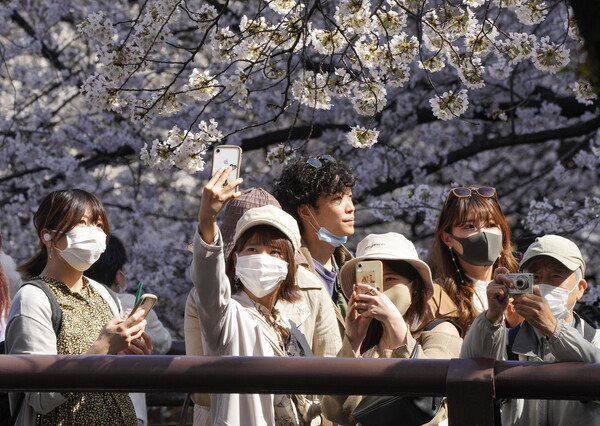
{"x":520,"y":283}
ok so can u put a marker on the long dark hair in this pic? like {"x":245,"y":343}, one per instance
{"x":267,"y":235}
{"x":61,"y":211}
{"x":455,"y":282}
{"x":419,"y":296}
{"x":4,"y":290}
{"x":105,"y":269}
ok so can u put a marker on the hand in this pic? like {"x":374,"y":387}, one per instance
{"x":377,"y":305}
{"x":498,"y":296}
{"x":356,"y":324}
{"x":536,"y":311}
{"x":118,"y":334}
{"x":140,"y":346}
{"x":214,"y":197}
{"x":374,"y":304}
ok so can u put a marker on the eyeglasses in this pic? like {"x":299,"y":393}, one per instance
{"x":316,"y":161}
{"x":464,"y":192}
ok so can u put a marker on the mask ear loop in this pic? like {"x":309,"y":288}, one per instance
{"x":311,"y":215}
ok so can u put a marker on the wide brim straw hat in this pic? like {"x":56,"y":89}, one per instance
{"x":234,"y":209}
{"x":272,"y":216}
{"x":389,"y":246}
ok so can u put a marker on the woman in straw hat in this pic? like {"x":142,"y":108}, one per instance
{"x":237,"y":297}
{"x":387,"y":322}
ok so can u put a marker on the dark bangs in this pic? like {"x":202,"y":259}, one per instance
{"x":62,"y":210}
{"x":459,"y":210}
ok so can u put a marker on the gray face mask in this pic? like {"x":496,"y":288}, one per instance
{"x":481,"y":249}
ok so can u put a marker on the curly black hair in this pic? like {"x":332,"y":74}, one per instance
{"x":302,"y":183}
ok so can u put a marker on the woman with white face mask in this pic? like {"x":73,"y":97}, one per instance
{"x":237,"y":297}
{"x":72,"y":228}
{"x":388,"y":322}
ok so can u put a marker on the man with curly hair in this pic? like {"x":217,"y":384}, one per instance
{"x":318,"y":193}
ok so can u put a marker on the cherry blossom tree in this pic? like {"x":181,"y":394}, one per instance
{"x":128,"y":98}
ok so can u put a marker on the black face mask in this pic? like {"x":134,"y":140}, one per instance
{"x":481,"y":249}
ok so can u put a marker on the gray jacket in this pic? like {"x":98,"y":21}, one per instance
{"x":567,"y":344}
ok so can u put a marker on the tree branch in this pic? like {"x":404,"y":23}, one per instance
{"x":481,"y":145}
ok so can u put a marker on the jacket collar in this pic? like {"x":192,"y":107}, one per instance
{"x":527,"y":342}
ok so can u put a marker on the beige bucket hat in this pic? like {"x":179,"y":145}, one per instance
{"x":389,"y":246}
{"x":273,"y":216}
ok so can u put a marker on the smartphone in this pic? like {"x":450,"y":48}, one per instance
{"x":227,"y":156}
{"x":370,"y":272}
{"x":147,"y":302}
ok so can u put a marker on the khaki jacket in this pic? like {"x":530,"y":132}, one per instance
{"x":438,"y":306}
{"x":341,"y":256}
{"x":430,"y":345}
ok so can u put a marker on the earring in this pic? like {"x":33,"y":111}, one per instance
{"x":458,"y":271}
{"x":50,"y":252}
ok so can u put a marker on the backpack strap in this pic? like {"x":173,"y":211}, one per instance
{"x":114,"y":297}
{"x":54,"y":306}
{"x":433,"y":324}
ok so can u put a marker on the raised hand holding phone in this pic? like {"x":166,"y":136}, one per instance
{"x":227,"y":156}
{"x":214,"y":196}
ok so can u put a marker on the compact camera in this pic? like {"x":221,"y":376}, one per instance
{"x":523,"y":283}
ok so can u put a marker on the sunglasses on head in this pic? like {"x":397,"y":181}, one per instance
{"x":316,"y":161}
{"x":464,"y":192}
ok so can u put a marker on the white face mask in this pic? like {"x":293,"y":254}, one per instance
{"x":261,"y":274}
{"x":557,"y":299}
{"x":85,"y":245}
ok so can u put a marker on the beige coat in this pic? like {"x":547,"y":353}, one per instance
{"x":341,"y":256}
{"x":313,"y":314}
{"x":432,"y":345}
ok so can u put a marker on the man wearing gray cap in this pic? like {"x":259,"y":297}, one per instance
{"x":551,"y":332}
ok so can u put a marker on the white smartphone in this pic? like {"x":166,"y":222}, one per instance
{"x":227,"y":156}
{"x":146,"y":302}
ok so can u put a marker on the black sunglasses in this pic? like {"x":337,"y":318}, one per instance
{"x":316,"y":161}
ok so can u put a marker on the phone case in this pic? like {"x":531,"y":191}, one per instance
{"x":370,"y":272}
{"x":227,"y":156}
{"x":147,"y":302}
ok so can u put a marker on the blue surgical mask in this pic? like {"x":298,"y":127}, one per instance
{"x":329,"y":237}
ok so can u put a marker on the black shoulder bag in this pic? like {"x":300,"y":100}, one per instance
{"x":376,"y":410}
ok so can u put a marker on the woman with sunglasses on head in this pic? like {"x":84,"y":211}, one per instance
{"x":237,"y":297}
{"x":472,"y":238}
{"x":72,"y":228}
{"x":387,"y":322}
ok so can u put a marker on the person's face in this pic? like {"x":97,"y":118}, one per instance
{"x":471,"y":226}
{"x":547,"y":270}
{"x":253,"y":246}
{"x":60,"y":239}
{"x":392,"y":279}
{"x":335,"y":213}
